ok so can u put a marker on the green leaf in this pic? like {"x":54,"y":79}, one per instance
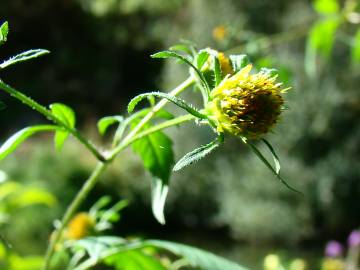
{"x":172,"y":54}
{"x":107,"y":121}
{"x":67,"y":116}
{"x":15,"y":140}
{"x":64,"y":113}
{"x":201,"y":59}
{"x":355,"y":52}
{"x":156,"y":153}
{"x":177,"y":101}
{"x":196,"y":155}
{"x":196,"y":257}
{"x":181,"y":48}
{"x":326,"y":6}
{"x":24,"y":57}
{"x":275,"y":171}
{"x":217,"y":70}
{"x":31,"y":196}
{"x":134,"y":260}
{"x":4,"y":31}
{"x":239,"y":61}
{"x":269,"y":71}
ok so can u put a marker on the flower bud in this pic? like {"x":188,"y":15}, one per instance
{"x":80,"y":226}
{"x":245,"y":104}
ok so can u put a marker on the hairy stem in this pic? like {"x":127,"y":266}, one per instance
{"x":134,"y":135}
{"x":47,"y":113}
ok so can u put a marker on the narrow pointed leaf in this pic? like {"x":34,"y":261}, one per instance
{"x":201,"y":59}
{"x":195,"y":257}
{"x":172,"y":54}
{"x":60,"y":138}
{"x":177,"y":101}
{"x":24,"y":57}
{"x":15,"y":140}
{"x":159,"y":191}
{"x":196,"y":155}
{"x":217,"y":70}
{"x":267,"y":163}
{"x":107,"y":121}
{"x":274,"y":155}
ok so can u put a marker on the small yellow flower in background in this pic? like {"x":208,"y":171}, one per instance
{"x":245,"y":104}
{"x":219,"y":33}
{"x":272,"y":262}
{"x":332,"y":264}
{"x":80,"y":226}
{"x":297,"y":264}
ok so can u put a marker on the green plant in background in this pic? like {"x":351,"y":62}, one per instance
{"x":236,"y":102}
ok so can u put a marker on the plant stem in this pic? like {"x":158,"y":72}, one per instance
{"x":47,"y":113}
{"x":72,"y":208}
{"x":147,"y":117}
{"x":101,"y":166}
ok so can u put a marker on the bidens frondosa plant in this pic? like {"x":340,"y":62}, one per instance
{"x":237,"y":101}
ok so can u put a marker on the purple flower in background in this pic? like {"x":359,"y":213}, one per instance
{"x":354,"y":238}
{"x":333,"y":249}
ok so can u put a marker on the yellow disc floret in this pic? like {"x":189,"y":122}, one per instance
{"x":80,"y":226}
{"x":245,"y":104}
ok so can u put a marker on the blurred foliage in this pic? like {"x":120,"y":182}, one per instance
{"x":102,"y":49}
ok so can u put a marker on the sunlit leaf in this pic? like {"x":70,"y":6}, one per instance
{"x":178,"y":101}
{"x":4,"y":31}
{"x":31,"y":196}
{"x":15,"y":140}
{"x":196,"y":155}
{"x":25,"y":263}
{"x":66,"y":115}
{"x":201,"y":59}
{"x":181,"y":48}
{"x":134,"y":260}
{"x":107,"y":121}
{"x":196,"y":257}
{"x":24,"y":57}
{"x":326,"y":6}
{"x":156,"y":153}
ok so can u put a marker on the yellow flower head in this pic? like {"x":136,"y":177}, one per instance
{"x":219,"y":33}
{"x":245,"y":104}
{"x":80,"y":226}
{"x":225,"y":64}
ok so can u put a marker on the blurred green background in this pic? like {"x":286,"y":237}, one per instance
{"x":229,"y":203}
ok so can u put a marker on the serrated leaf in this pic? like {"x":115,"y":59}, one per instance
{"x":239,"y":61}
{"x":15,"y":140}
{"x":177,"y":101}
{"x":275,"y":171}
{"x":24,"y":57}
{"x":133,"y":260}
{"x":201,"y":58}
{"x":326,"y":6}
{"x":107,"y":121}
{"x":157,"y":155}
{"x":4,"y":31}
{"x":196,"y":155}
{"x":355,"y":52}
{"x":172,"y":54}
{"x":66,"y":115}
{"x":196,"y":257}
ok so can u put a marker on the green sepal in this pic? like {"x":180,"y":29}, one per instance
{"x":276,"y":170}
